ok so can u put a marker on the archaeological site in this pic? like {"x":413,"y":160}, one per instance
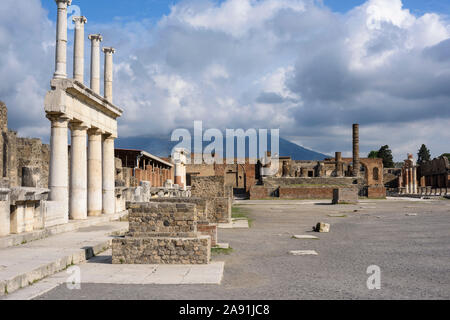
{"x":126,"y":222}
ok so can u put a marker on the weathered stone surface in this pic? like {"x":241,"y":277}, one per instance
{"x":208,"y":229}
{"x":322,"y":227}
{"x":154,"y":250}
{"x":345,"y":196}
{"x":163,"y":233}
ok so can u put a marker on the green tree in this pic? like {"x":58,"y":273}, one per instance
{"x":373,"y":154}
{"x":386,"y":154}
{"x":423,"y":155}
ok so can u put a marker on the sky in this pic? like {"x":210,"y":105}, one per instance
{"x":310,"y":68}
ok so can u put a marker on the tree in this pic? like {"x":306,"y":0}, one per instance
{"x":386,"y":154}
{"x":423,"y":155}
{"x":373,"y":154}
{"x":446,"y":155}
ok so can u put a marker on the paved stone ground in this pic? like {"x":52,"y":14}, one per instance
{"x":413,"y":253}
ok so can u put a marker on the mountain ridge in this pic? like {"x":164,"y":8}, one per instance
{"x":162,"y":147}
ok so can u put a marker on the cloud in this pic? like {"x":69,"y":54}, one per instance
{"x":289,"y":64}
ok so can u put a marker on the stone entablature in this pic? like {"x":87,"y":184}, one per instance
{"x":76,"y":102}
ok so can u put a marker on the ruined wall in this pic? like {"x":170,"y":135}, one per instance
{"x":435,"y":173}
{"x":306,"y":192}
{"x":376,"y":192}
{"x":18,"y":153}
{"x":208,"y":187}
{"x":32,"y":154}
{"x":319,"y":181}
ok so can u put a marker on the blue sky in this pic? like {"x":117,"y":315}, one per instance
{"x":302,"y":66}
{"x":105,"y":10}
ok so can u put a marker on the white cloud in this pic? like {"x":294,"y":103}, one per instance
{"x":245,"y":63}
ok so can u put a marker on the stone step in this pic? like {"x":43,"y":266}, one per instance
{"x":21,"y":266}
{"x":72,"y":225}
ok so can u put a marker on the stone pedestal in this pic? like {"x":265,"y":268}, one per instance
{"x":162,"y":233}
{"x":5,"y":227}
{"x":345,"y":196}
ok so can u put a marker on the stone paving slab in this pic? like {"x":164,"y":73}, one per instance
{"x":99,"y":270}
{"x":72,"y":225}
{"x":26,"y":264}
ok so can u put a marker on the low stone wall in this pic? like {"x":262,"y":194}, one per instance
{"x":306,"y":192}
{"x":305,"y":182}
{"x":345,"y":196}
{"x":263,"y":192}
{"x":376,"y":192}
{"x":162,"y":250}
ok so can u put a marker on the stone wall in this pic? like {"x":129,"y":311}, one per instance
{"x":306,"y":192}
{"x":376,"y":192}
{"x":162,"y":250}
{"x":318,"y":181}
{"x":201,"y":205}
{"x":150,"y":217}
{"x":162,"y":233}
{"x":345,"y":196}
{"x":208,"y":187}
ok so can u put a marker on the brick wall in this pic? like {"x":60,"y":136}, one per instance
{"x":376,"y":192}
{"x":306,"y":192}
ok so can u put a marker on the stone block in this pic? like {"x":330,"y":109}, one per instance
{"x":17,"y":224}
{"x":5,"y":227}
{"x":322,"y":227}
{"x":161,"y":250}
{"x":345,"y":196}
{"x":208,"y":229}
{"x":376,"y":192}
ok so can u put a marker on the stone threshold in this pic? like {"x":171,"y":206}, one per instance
{"x":73,"y":225}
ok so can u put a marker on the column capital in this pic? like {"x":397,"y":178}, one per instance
{"x":67,"y":2}
{"x":95,"y":37}
{"x":77,"y":125}
{"x":109,"y":50}
{"x":58,"y":120}
{"x":94,"y":131}
{"x":79,"y":20}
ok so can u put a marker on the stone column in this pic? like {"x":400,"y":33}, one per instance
{"x":95,"y":62}
{"x":407,"y":180}
{"x":109,"y":197}
{"x":59,"y":159}
{"x":414,"y":179}
{"x":94,"y":173}
{"x":356,"y":165}
{"x":108,"y":73}
{"x":61,"y":40}
{"x":78,"y":52}
{"x":78,"y":172}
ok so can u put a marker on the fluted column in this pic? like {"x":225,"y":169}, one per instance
{"x":78,"y":52}
{"x":95,"y":173}
{"x":78,"y":172}
{"x":414,"y":179}
{"x":95,"y":62}
{"x":108,"y":77}
{"x":59,"y":159}
{"x":109,"y":198}
{"x":61,"y":40}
